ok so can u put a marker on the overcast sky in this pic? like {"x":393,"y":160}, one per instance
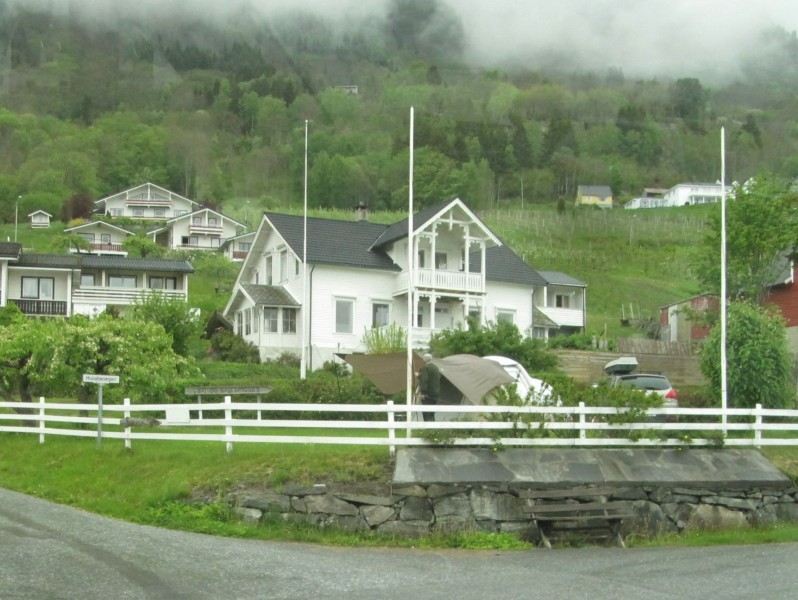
{"x":639,"y":36}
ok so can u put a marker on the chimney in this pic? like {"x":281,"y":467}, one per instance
{"x":361,"y":212}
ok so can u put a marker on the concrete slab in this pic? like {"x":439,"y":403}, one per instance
{"x":557,"y":467}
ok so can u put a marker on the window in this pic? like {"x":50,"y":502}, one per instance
{"x":283,"y":265}
{"x":196,"y":221}
{"x":216,"y":242}
{"x":211,"y":221}
{"x":160,"y":212}
{"x":289,"y":320}
{"x":248,"y":321}
{"x":296,"y":266}
{"x":380,"y":313}
{"x":421,"y":257}
{"x":270,"y":319}
{"x":190,"y":240}
{"x":344,"y":315}
{"x":476,"y":314}
{"x":505,"y":316}
{"x":137,"y":212}
{"x":123,"y":281}
{"x":562,"y":301}
{"x":239,"y":323}
{"x":105,"y":238}
{"x":441,"y":261}
{"x":269,"y":270}
{"x":180,"y":213}
{"x":39,"y":288}
{"x":86,"y":279}
{"x":244,"y":246}
{"x":116,"y":212}
{"x":89,"y":237}
{"x":163,"y":283}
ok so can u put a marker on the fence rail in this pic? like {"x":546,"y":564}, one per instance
{"x":400,"y":425}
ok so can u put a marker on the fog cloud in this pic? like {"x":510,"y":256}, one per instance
{"x":642,"y":37}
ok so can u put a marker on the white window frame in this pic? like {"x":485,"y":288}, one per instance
{"x":40,"y":294}
{"x":375,"y":304}
{"x":340,"y":302}
{"x":289,"y":320}
{"x":271,"y":319}
{"x":505,"y":314}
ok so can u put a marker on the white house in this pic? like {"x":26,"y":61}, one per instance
{"x":560,"y":307}
{"x":61,"y":285}
{"x":146,"y":201}
{"x":103,"y":237}
{"x":682,"y":194}
{"x":357,"y":279}
{"x":40,"y":219}
{"x":236,"y":248}
{"x":203,"y":229}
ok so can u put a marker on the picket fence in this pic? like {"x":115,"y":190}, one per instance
{"x":393,"y":425}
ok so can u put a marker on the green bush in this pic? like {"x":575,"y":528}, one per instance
{"x":227,"y":346}
{"x":494,"y":338}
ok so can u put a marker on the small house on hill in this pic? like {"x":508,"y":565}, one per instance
{"x":594,"y":195}
{"x":40,"y":219}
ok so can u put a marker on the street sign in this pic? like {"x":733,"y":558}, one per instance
{"x":100,"y":379}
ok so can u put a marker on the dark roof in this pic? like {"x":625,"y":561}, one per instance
{"x":269,"y":295}
{"x":505,"y":265}
{"x":93,"y":261}
{"x":558,"y":278}
{"x":594,"y":190}
{"x":10,"y":249}
{"x":333,"y":242}
{"x":399,"y":229}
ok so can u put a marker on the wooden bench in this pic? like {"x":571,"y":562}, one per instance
{"x":583,"y":510}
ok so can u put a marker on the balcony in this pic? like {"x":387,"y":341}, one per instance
{"x":165,"y":202}
{"x":564,"y":317}
{"x":108,"y":295}
{"x":41,"y":308}
{"x":444,"y":281}
{"x":205,"y":229}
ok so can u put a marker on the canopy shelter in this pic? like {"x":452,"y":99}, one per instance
{"x":471,"y":377}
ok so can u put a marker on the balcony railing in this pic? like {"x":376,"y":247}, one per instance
{"x":48,"y":308}
{"x":98,"y":294}
{"x":453,"y":281}
{"x":148,"y":202}
{"x":206,"y":229}
{"x":568,"y":317}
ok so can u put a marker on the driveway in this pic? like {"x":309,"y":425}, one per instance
{"x":50,"y":552}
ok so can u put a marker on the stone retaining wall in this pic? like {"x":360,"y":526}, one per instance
{"x":420,"y":509}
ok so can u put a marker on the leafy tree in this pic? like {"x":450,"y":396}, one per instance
{"x":72,"y":241}
{"x":494,"y":338}
{"x":50,"y":356}
{"x":143,"y":247}
{"x":688,"y":98}
{"x":174,"y":315}
{"x":761,"y":230}
{"x":758,"y":359}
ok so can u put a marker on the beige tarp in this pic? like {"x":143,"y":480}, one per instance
{"x":471,"y":375}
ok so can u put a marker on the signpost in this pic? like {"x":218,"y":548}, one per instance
{"x":100,"y":380}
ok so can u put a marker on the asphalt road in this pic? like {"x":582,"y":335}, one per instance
{"x":50,"y":552}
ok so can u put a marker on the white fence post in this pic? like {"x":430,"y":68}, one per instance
{"x":228,"y":429}
{"x":41,"y":419}
{"x":582,"y":431}
{"x":391,"y":431}
{"x":758,"y":426}
{"x":126,"y":414}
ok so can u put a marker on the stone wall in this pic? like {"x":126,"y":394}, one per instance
{"x":421,"y":509}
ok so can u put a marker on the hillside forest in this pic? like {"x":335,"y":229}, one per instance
{"x":217,"y":112}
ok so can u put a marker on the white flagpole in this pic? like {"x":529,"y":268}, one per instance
{"x":410,"y":261}
{"x":303,"y":366}
{"x":723,"y":366}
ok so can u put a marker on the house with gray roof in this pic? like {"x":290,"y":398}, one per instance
{"x":594,"y":195}
{"x":322,"y":284}
{"x":61,"y":285}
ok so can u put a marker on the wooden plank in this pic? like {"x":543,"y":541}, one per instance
{"x":575,"y":507}
{"x":572,"y":493}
